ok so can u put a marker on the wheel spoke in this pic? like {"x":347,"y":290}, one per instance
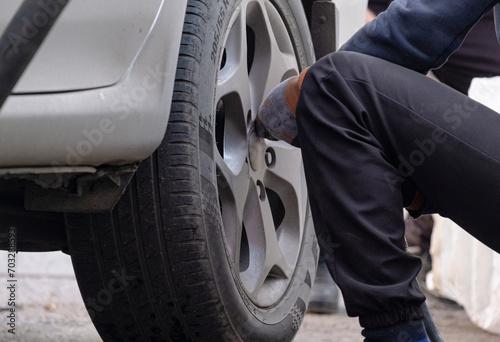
{"x":267,"y":257}
{"x":275,"y":261}
{"x":233,"y":191}
{"x":276,"y":59}
{"x":286,"y":168}
{"x":233,"y":76}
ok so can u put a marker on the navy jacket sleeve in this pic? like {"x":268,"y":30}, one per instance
{"x":497,"y":21}
{"x":419,"y":34}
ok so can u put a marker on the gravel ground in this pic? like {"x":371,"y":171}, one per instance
{"x":49,"y":308}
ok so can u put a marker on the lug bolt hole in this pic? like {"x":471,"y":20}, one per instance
{"x":261,"y":190}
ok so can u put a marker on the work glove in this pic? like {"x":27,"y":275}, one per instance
{"x":276,"y":117}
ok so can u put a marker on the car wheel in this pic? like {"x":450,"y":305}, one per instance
{"x":213,"y":238}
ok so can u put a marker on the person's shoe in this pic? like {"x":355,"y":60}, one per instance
{"x":277,"y":113}
{"x":410,"y":331}
{"x":324,"y":293}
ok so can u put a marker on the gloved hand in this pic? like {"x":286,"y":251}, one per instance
{"x":277,"y":113}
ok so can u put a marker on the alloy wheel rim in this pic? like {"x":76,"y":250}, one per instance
{"x":261,"y":183}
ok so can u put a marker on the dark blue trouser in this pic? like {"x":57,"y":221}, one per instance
{"x":371,"y":134}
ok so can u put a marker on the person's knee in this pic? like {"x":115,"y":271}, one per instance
{"x":348,"y":63}
{"x":309,"y":95}
{"x":323,"y":85}
{"x":335,"y":68}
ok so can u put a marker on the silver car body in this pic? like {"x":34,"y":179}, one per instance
{"x":99,"y":89}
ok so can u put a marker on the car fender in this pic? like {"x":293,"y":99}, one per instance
{"x":113,"y":124}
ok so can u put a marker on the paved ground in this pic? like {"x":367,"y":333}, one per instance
{"x":49,"y":308}
{"x":451,"y":320}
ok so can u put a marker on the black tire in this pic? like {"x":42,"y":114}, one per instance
{"x":158,"y":267}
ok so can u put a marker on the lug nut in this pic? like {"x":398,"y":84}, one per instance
{"x":269,"y":157}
